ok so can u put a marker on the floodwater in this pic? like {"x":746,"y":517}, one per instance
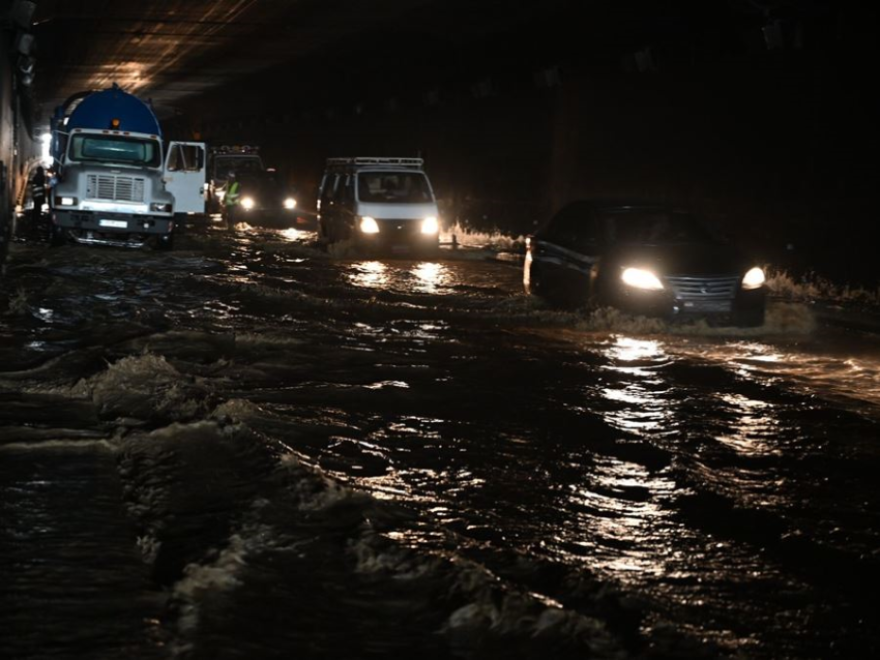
{"x":251,"y":448}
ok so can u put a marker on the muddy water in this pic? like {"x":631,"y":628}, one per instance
{"x":251,"y":448}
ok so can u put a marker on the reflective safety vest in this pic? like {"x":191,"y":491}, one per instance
{"x":232,"y":194}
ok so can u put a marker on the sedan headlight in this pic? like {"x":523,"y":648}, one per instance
{"x":290,"y":203}
{"x":639,"y":278}
{"x":369,"y":225}
{"x":754,"y":279}
{"x":157,"y":207}
{"x":430,"y":225}
{"x":247,"y":203}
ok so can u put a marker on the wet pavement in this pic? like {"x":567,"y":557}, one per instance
{"x":251,"y":448}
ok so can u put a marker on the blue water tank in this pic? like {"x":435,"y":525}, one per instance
{"x":99,"y":109}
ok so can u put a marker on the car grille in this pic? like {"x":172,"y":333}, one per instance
{"x":708,"y":294}
{"x":115,"y":188}
{"x":400,"y":228}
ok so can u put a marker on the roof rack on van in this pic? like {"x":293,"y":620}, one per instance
{"x":234,"y":149}
{"x":372,"y":160}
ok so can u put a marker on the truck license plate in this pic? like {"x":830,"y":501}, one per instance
{"x":118,"y":224}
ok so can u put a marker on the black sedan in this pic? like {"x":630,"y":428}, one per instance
{"x":646,"y":259}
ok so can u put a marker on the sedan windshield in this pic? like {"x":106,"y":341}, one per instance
{"x":655,"y":226}
{"x":394,"y":187}
{"x":115,"y":149}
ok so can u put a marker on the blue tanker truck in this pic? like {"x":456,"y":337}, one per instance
{"x":118,"y":184}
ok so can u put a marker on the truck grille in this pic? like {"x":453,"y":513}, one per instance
{"x":705,"y":294}
{"x":115,"y":188}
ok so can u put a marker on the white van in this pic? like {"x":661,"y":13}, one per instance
{"x":383,"y":203}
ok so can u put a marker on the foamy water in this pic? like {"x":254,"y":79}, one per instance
{"x":263,"y":449}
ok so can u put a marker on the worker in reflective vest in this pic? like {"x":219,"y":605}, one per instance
{"x":231,"y":198}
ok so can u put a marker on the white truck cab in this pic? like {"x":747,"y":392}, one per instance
{"x":378,"y":202}
{"x":117,"y":183}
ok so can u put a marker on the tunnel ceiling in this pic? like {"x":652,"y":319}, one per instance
{"x":174,"y":51}
{"x":170,"y":50}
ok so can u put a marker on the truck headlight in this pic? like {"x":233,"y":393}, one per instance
{"x":754,"y":279}
{"x":639,"y":278}
{"x":290,"y":203}
{"x":65,"y":201}
{"x":430,"y":225}
{"x":161,"y":207}
{"x":369,"y":225}
{"x":248,"y":203}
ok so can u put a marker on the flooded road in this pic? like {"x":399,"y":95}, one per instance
{"x":250,"y":448}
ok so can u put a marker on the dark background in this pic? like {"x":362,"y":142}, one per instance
{"x":759,"y":115}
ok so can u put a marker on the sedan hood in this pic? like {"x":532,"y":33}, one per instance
{"x":682,"y":258}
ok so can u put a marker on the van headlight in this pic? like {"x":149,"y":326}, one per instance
{"x":369,"y":225}
{"x":639,"y":278}
{"x":430,"y":225}
{"x":248,"y":203}
{"x":65,"y":201}
{"x":754,"y":279}
{"x":158,"y":207}
{"x":290,"y":203}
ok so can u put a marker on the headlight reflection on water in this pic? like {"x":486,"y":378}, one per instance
{"x":756,"y":430}
{"x":624,"y":536}
{"x":292,"y":234}
{"x":370,"y":274}
{"x":422,"y":277}
{"x":628,"y":350}
{"x":430,"y":276}
{"x":624,"y":525}
{"x":44,"y":314}
{"x":640,"y":405}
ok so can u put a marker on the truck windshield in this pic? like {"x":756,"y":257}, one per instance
{"x":223,"y":165}
{"x":394,"y":187}
{"x":115,"y":149}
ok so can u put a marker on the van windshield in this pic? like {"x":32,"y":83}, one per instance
{"x":394,"y":187}
{"x":115,"y":149}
